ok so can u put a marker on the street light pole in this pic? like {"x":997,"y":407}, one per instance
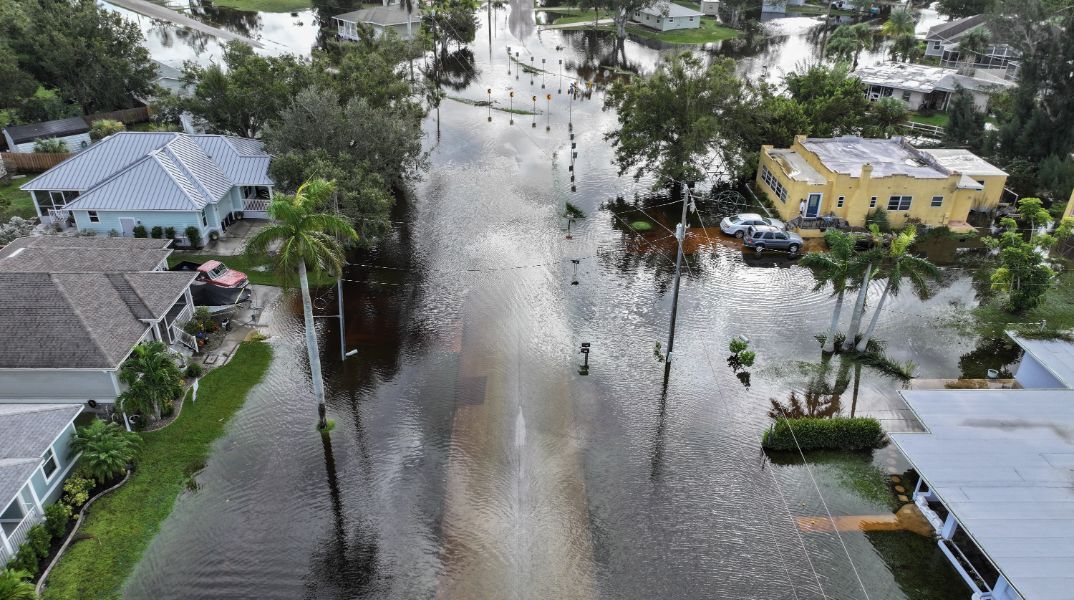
{"x":680,"y":234}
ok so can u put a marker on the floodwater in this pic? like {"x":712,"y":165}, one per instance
{"x":472,"y":459}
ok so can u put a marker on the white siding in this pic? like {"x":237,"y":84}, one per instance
{"x":109,"y":221}
{"x":1031,"y":374}
{"x":75,"y":143}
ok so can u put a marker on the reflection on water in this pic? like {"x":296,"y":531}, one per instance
{"x":471,"y":459}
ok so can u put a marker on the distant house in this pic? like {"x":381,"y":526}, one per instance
{"x":845,"y":178}
{"x":994,"y":469}
{"x":35,"y":458}
{"x":73,"y":308}
{"x":710,"y":8}
{"x":942,"y":41}
{"x":667,"y":16}
{"x":73,"y":131}
{"x":925,"y":87}
{"x":379,"y":19}
{"x":148,"y":179}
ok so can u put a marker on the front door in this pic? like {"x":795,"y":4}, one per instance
{"x":813,"y":205}
{"x":127,"y":225}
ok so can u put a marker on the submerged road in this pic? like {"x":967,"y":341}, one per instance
{"x":157,"y":11}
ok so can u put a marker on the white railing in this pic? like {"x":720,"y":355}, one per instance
{"x":254,"y":205}
{"x":59,"y":216}
{"x":184,"y":338}
{"x":4,"y":556}
{"x":18,"y":536}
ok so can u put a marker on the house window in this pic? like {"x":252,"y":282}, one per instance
{"x":204,"y":221}
{"x":937,"y":201}
{"x":57,"y":199}
{"x":872,"y":202}
{"x":94,"y":217}
{"x":899,"y":202}
{"x":49,"y":467}
{"x":906,"y":96}
{"x":839,"y":203}
{"x":774,"y":184}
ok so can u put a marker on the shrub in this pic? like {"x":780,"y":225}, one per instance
{"x":39,"y":540}
{"x":140,"y":232}
{"x":14,"y":585}
{"x":25,"y":560}
{"x":738,"y":345}
{"x":57,"y":515}
{"x":812,"y":433}
{"x":747,"y":357}
{"x":193,"y":236}
{"x":194,"y":370}
{"x":76,"y":490}
{"x":201,"y":322}
{"x":50,"y":146}
{"x":17,"y":227}
{"x":157,"y":232}
{"x":103,"y":128}
{"x":879,"y":217}
{"x":106,"y":449}
{"x":169,"y":233}
{"x":573,"y":211}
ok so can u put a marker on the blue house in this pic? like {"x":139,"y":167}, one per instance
{"x":176,"y":180}
{"x":35,"y":458}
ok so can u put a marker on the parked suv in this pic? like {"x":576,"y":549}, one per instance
{"x":761,"y":237}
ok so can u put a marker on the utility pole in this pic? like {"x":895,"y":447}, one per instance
{"x":680,"y":234}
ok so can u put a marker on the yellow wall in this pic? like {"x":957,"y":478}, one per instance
{"x":1069,"y":212}
{"x":858,"y":192}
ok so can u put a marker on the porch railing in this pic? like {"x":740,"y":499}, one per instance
{"x":18,"y":536}
{"x":4,"y":556}
{"x":184,"y":338}
{"x":923,"y":129}
{"x":59,"y":215}
{"x":255,"y":205}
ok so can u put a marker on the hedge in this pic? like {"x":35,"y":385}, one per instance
{"x":812,"y":433}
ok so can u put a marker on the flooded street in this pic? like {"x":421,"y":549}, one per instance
{"x":471,"y":459}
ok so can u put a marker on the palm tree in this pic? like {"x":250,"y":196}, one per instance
{"x":106,"y":449}
{"x":833,"y":267}
{"x":848,"y":41}
{"x":14,"y":585}
{"x":973,"y":43}
{"x":865,"y":263}
{"x":308,"y":240}
{"x":152,"y":377}
{"x":901,"y":264}
{"x":900,"y":23}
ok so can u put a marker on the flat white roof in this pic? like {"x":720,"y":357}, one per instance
{"x":888,"y":157}
{"x":903,"y":76}
{"x":796,"y":166}
{"x":1002,"y":461}
{"x":963,"y":161}
{"x":1057,"y":356}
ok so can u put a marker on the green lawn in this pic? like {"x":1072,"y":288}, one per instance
{"x":272,"y":6}
{"x":120,"y":526}
{"x":14,"y":202}
{"x":710,"y":31}
{"x":256,"y":270}
{"x":939,"y":119}
{"x":566,"y":18}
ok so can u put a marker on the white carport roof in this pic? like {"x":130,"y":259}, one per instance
{"x":1002,"y":461}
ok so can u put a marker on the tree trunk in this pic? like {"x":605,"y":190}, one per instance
{"x":864,"y":343}
{"x":311,"y":345}
{"x":859,"y":308}
{"x":620,"y":23}
{"x":829,"y":342}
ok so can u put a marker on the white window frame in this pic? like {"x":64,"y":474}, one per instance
{"x":899,"y":203}
{"x":47,"y":456}
{"x":839,"y":203}
{"x":94,"y":217}
{"x":204,"y":220}
{"x":934,"y":203}
{"x":872,"y":202}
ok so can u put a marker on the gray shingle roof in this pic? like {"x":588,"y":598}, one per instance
{"x":80,"y":320}
{"x":83,"y":254}
{"x":670,"y":9}
{"x":48,"y":129}
{"x":955,"y":29}
{"x":157,"y":171}
{"x":26,"y":431}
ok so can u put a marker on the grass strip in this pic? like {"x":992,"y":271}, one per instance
{"x":15,"y":202}
{"x":121,"y":525}
{"x":269,"y":6}
{"x":709,"y":31}
{"x":257,"y":271}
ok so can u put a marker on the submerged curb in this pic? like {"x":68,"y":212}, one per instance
{"x":74,"y":530}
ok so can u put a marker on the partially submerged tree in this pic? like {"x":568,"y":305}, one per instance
{"x":848,"y":41}
{"x":965,"y":126}
{"x":835,"y":268}
{"x":307,"y":240}
{"x":898,"y":264}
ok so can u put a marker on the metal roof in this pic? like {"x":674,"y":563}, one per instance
{"x":1057,"y":356}
{"x":393,"y":14}
{"x":48,"y":129}
{"x":888,"y":157}
{"x":80,"y":320}
{"x":1002,"y":461}
{"x":157,"y":171}
{"x":670,"y":9}
{"x":26,"y":431}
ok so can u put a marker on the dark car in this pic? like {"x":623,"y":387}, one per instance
{"x":762,"y":237}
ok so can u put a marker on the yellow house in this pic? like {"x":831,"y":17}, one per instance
{"x":818,"y":180}
{"x":1069,"y":212}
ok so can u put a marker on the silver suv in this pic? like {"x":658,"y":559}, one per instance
{"x":761,"y":237}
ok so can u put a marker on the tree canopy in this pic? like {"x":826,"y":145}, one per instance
{"x":92,"y":57}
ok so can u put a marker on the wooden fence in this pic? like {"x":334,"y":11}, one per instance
{"x":138,"y":114}
{"x":32,"y":162}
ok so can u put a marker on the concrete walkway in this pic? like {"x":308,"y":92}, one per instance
{"x":157,"y":11}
